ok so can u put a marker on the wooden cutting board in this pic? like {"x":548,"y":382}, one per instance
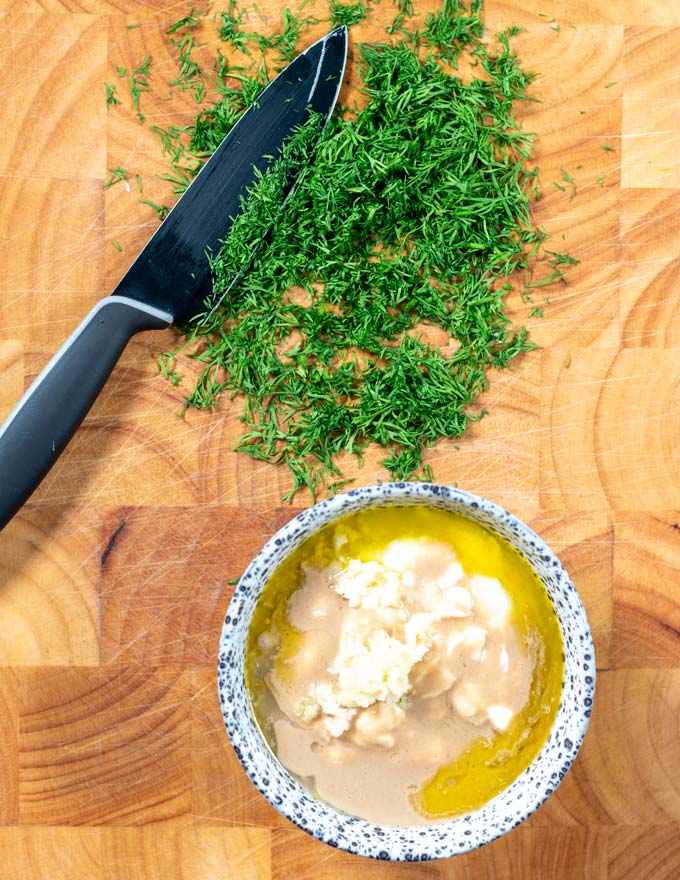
{"x":115,"y":579}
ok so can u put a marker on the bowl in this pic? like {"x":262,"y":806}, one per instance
{"x":445,"y":838}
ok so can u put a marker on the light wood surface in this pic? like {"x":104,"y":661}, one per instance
{"x":114,"y":580}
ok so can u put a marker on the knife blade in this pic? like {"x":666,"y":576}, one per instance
{"x":170,"y":280}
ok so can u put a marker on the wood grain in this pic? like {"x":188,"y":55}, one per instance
{"x":88,"y":738}
{"x":114,"y":762}
{"x":650,"y":160}
{"x":50,"y":853}
{"x":9,"y":753}
{"x":49,"y":598}
{"x":646,"y":617}
{"x":650,"y":268}
{"x":650,"y":853}
{"x":148,"y":619}
{"x":560,"y":854}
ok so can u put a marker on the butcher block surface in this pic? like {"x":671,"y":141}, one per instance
{"x":115,"y":578}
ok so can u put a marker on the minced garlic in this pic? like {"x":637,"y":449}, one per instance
{"x":393,"y":640}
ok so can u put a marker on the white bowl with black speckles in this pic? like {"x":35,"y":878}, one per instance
{"x":441,"y":839}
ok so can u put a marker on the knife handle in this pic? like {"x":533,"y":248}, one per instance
{"x":46,"y":417}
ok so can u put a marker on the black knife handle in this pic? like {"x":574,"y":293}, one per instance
{"x":46,"y":417}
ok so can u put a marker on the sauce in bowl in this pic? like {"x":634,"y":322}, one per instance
{"x":405,"y":664}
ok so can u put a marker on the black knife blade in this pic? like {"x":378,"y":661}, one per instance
{"x":171,"y":273}
{"x":170,"y":279}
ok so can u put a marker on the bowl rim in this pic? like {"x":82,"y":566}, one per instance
{"x":414,"y":842}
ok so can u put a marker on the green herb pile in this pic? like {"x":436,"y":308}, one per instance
{"x":414,"y":214}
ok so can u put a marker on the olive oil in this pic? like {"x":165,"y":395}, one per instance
{"x":490,"y":764}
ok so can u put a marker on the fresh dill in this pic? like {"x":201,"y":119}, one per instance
{"x":607,"y":148}
{"x":285,"y":41}
{"x":456,"y":26}
{"x":116,"y":175}
{"x":570,"y":180}
{"x":563,"y":259}
{"x":347,"y":13}
{"x":165,"y":362}
{"x":190,"y":75}
{"x":161,"y":211}
{"x":230,"y":30}
{"x":139,"y":81}
{"x":415,"y":216}
{"x":190,"y":20}
{"x":111,"y":99}
{"x":116,"y":244}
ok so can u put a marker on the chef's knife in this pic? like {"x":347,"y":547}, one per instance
{"x":170,"y":280}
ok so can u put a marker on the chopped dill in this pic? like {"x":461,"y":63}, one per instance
{"x":396,"y":24}
{"x":116,"y":175}
{"x":415,"y":216}
{"x":139,"y":81}
{"x":190,"y":20}
{"x":347,"y":13}
{"x":562,"y":259}
{"x":456,"y":26}
{"x":116,"y":244}
{"x":607,"y":148}
{"x":165,"y":362}
{"x":190,"y":76}
{"x":111,"y":98}
{"x":570,"y":180}
{"x":285,"y":42}
{"x":161,"y":211}
{"x":230,"y":30}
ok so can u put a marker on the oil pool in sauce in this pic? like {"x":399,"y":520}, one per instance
{"x":489,"y":762}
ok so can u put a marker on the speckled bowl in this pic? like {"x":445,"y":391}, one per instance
{"x":454,"y":836}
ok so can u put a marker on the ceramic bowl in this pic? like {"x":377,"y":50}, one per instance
{"x":447,"y":838}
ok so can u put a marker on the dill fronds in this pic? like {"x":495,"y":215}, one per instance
{"x":414,"y":215}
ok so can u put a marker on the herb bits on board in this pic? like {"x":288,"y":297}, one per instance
{"x":377,"y":313}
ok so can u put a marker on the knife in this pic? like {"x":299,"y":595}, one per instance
{"x":170,"y":280}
